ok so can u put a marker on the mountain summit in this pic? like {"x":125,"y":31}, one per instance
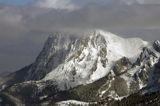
{"x":89,"y":68}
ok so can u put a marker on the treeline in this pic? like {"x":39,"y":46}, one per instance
{"x":150,"y":99}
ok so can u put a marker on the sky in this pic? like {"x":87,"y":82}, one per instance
{"x":26,"y":24}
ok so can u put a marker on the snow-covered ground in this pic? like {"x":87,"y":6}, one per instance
{"x":67,"y":103}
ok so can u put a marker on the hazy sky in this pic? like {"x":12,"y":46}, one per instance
{"x":25,"y":24}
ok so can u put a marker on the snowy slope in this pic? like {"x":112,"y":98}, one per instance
{"x":94,"y":58}
{"x":72,"y":102}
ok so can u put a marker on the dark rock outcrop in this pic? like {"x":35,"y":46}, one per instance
{"x":157,"y":65}
{"x":156,"y":45}
{"x":121,"y":66}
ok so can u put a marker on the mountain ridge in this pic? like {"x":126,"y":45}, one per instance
{"x":100,"y":65}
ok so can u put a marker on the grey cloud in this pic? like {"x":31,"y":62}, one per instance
{"x":56,"y":4}
{"x":98,"y":17}
{"x":141,"y":1}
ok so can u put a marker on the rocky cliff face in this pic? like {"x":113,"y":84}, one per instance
{"x":99,"y":65}
{"x":156,"y":45}
{"x":55,"y":51}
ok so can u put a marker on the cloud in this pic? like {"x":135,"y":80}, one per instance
{"x":56,"y":4}
{"x":7,"y":16}
{"x":130,"y":2}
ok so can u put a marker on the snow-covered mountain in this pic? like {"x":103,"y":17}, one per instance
{"x":95,"y":66}
{"x":93,"y":58}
